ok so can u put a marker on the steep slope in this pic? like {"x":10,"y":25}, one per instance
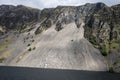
{"x":103,"y":31}
{"x":66,"y":49}
{"x":59,"y":37}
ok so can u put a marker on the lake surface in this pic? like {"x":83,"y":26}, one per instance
{"x":25,"y":73}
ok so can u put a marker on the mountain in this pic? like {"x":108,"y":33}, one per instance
{"x":85,"y":37}
{"x":16,"y":17}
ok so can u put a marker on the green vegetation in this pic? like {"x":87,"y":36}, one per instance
{"x":5,"y":44}
{"x":28,"y":45}
{"x":106,"y":46}
{"x":30,"y":49}
{"x":92,"y":40}
{"x":111,"y":70}
{"x":2,"y":59}
{"x":40,"y":29}
{"x":24,"y":27}
{"x":104,"y":49}
{"x":114,"y":46}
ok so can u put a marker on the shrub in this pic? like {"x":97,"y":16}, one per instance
{"x":111,"y":69}
{"x":28,"y":45}
{"x":92,"y":39}
{"x":29,"y":49}
{"x":103,"y":51}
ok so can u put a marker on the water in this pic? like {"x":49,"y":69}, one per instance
{"x":22,"y":73}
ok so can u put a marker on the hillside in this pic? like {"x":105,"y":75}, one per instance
{"x":85,"y":37}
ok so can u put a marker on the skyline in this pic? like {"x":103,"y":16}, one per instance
{"x":53,"y":3}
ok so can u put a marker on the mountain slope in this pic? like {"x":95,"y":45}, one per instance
{"x":59,"y":38}
{"x":66,"y":49}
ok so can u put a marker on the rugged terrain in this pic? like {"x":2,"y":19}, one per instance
{"x":85,"y":37}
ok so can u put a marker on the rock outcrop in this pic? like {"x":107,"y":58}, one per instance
{"x":17,"y":17}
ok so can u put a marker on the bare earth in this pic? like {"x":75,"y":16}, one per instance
{"x":66,"y":49}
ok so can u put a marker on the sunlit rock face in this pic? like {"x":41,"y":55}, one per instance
{"x":61,"y":37}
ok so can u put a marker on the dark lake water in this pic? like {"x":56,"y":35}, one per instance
{"x":22,"y":73}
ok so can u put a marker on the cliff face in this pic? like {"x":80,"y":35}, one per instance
{"x":103,"y":31}
{"x":57,"y":25}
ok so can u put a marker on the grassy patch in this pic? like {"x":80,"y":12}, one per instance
{"x":115,"y":46}
{"x":104,"y":49}
{"x":6,"y":53}
{"x":2,"y":59}
{"x":5,"y":44}
{"x":107,"y":47}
